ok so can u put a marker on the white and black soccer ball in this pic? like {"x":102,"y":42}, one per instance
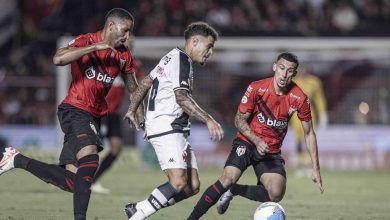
{"x":269,"y":211}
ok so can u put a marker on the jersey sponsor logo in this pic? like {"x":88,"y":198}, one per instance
{"x":166,"y":59}
{"x":155,"y":203}
{"x":279,"y":124}
{"x":240,"y":150}
{"x":90,"y":73}
{"x":244,"y":99}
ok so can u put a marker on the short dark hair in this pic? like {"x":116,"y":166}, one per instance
{"x":289,"y":57}
{"x":119,"y":13}
{"x":200,"y":28}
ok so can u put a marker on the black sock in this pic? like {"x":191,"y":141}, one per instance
{"x":177,"y":198}
{"x":255,"y":193}
{"x":49,"y":173}
{"x":82,"y":184}
{"x":208,"y":199}
{"x":106,"y":163}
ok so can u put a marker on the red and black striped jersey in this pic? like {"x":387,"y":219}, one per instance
{"x":94,"y":73}
{"x":271,"y":112}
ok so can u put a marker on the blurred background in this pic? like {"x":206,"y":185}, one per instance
{"x":343,"y":44}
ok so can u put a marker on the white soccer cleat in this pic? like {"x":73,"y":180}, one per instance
{"x":7,"y":161}
{"x":224,"y":202}
{"x":99,"y":188}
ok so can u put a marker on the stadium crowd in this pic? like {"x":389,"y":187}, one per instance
{"x":29,"y":30}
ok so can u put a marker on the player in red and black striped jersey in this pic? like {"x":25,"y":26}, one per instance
{"x":96,"y":59}
{"x":262,"y":120}
{"x":111,"y":124}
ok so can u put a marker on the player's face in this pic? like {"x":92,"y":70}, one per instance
{"x":120,"y":32}
{"x":202,"y":49}
{"x":284,"y":72}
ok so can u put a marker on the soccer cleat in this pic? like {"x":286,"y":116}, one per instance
{"x":133,"y":213}
{"x":7,"y":160}
{"x":224,"y":201}
{"x":99,"y":188}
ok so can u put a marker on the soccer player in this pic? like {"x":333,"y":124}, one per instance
{"x":262,"y":120}
{"x":169,"y":107}
{"x":96,"y":59}
{"x":111,"y":124}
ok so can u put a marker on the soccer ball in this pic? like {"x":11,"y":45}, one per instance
{"x":269,"y":211}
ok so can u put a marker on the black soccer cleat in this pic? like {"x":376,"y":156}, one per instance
{"x":130,"y":209}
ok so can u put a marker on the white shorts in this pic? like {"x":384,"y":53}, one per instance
{"x":174,"y":151}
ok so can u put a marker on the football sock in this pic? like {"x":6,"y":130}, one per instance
{"x":256,"y":193}
{"x":49,"y":173}
{"x":176,"y":198}
{"x":82,"y":184}
{"x":208,"y":199}
{"x":157,"y":200}
{"x":105,"y":164}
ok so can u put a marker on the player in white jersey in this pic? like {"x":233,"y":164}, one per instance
{"x":167,"y":126}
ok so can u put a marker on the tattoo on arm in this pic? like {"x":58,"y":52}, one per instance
{"x":137,"y":92}
{"x":190,"y":107}
{"x":241,"y":122}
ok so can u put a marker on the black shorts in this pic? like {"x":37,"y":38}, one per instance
{"x":80,"y":129}
{"x":244,"y":155}
{"x":111,"y":126}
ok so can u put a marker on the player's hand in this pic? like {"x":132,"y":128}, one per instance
{"x":131,"y":118}
{"x":316,"y":177}
{"x":262,"y":147}
{"x":215,"y":130}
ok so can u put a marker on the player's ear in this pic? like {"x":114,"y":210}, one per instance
{"x":194,"y":41}
{"x":274,"y":67}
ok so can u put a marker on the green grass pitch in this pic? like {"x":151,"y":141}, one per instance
{"x":355,"y":195}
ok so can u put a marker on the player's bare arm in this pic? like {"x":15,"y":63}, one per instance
{"x":311,"y":143}
{"x":241,"y":123}
{"x":190,"y":107}
{"x":136,"y":120}
{"x":66,"y":55}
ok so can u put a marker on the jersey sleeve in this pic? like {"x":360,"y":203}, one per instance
{"x":181,"y":73}
{"x":247,"y":103}
{"x":128,"y":66}
{"x":304,"y":111}
{"x":79,"y":41}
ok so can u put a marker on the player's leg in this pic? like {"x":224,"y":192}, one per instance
{"x":236,"y":164}
{"x":111,"y":128}
{"x":193,"y":182}
{"x":49,"y":173}
{"x":88,"y":161}
{"x":271,"y":182}
{"x":169,"y":150}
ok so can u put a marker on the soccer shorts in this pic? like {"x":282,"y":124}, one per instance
{"x":111,"y":126}
{"x":80,"y":129}
{"x":244,"y":155}
{"x":174,"y":151}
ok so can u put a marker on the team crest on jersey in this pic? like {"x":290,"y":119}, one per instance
{"x":121,"y":63}
{"x":240,"y":150}
{"x":93,"y":127}
{"x":244,"y":99}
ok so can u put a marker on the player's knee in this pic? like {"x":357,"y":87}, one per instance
{"x":116,"y":150}
{"x":227,"y":180}
{"x":179,"y":184}
{"x":275,"y":195}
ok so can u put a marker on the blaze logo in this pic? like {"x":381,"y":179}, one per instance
{"x":90,"y":73}
{"x":279,"y":124}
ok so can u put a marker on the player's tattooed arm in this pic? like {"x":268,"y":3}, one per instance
{"x":241,"y":122}
{"x":137,"y":94}
{"x":190,"y":107}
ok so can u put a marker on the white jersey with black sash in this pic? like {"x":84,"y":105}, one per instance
{"x":163,"y":114}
